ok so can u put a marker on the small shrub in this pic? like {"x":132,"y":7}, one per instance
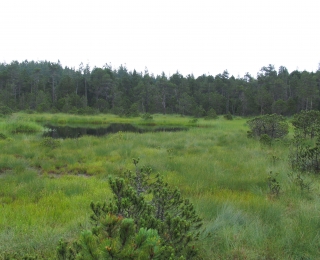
{"x":147,"y":116}
{"x":115,"y":238}
{"x":73,"y":111}
{"x":3,"y":136}
{"x":250,"y":134}
{"x":228,"y":116}
{"x":199,"y":111}
{"x":5,"y":110}
{"x":146,"y":219}
{"x":274,"y":159}
{"x":273,"y":125}
{"x":193,"y":121}
{"x":211,"y":114}
{"x":300,"y":182}
{"x":81,"y":111}
{"x":265,"y":140}
{"x":307,"y":123}
{"x":50,"y":142}
{"x":43,"y":107}
{"x":305,"y":157}
{"x":133,"y":111}
{"x":273,"y":184}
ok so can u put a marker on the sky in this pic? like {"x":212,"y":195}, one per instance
{"x":191,"y":37}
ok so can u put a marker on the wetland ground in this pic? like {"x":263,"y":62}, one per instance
{"x":46,"y":187}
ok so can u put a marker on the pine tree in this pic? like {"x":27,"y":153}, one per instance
{"x":145,"y":219}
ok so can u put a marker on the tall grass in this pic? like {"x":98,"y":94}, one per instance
{"x":46,"y":192}
{"x":16,"y":125}
{"x":38,"y":210}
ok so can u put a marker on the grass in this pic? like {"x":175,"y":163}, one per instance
{"x":14,"y":125}
{"x":46,"y":191}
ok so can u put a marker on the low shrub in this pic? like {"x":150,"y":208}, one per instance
{"x":3,"y":136}
{"x":146,"y":219}
{"x":211,"y":114}
{"x":306,"y":123}
{"x":265,"y":140}
{"x":50,"y":142}
{"x":147,"y":116}
{"x":5,"y":110}
{"x":193,"y":121}
{"x":273,"y":125}
{"x":273,"y":184}
{"x":228,"y":116}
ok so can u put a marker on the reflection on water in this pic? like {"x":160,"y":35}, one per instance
{"x":75,"y":132}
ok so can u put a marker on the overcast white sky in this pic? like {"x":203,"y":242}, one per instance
{"x":199,"y":37}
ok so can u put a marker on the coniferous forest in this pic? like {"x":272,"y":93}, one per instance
{"x":45,"y":86}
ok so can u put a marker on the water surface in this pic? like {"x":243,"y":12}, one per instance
{"x":76,"y":132}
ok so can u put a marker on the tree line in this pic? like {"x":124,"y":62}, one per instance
{"x":45,"y":86}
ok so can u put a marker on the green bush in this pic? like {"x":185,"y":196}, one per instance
{"x":144,"y":217}
{"x":5,"y":110}
{"x":307,"y":123}
{"x":305,"y":155}
{"x":193,"y":121}
{"x":115,"y":238}
{"x":43,"y":107}
{"x":297,"y":179}
{"x":265,"y":140}
{"x":3,"y":136}
{"x":50,"y":142}
{"x":199,"y":111}
{"x":273,"y":125}
{"x":273,"y":184}
{"x":250,"y":134}
{"x":228,"y":116}
{"x":73,"y":111}
{"x":147,"y":116}
{"x":211,"y":114}
{"x":133,"y":111}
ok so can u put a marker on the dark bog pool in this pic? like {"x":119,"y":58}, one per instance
{"x":75,"y":132}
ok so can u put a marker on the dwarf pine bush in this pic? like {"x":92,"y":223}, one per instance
{"x":115,"y":238}
{"x":306,"y":123}
{"x":211,"y":114}
{"x":273,"y":125}
{"x":228,"y":116}
{"x":145,"y":217}
{"x":305,"y":155}
{"x":147,"y":116}
{"x":273,"y":184}
{"x":50,"y":142}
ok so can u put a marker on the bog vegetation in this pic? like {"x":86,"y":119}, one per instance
{"x":206,"y":193}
